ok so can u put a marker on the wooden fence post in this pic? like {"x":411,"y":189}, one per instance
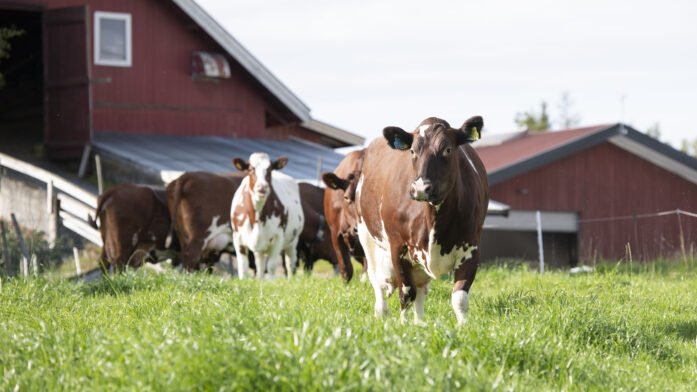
{"x":540,"y":249}
{"x":9,"y":266}
{"x":52,"y":229}
{"x":22,"y":246}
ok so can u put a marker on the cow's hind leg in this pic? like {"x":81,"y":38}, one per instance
{"x":380,"y":302}
{"x":290,"y":258}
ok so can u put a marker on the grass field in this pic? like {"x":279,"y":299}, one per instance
{"x":609,"y":330}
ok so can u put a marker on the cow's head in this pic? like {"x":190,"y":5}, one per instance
{"x":347,"y":185}
{"x":259,"y":168}
{"x":433,"y":148}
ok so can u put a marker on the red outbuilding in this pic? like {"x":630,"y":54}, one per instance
{"x":603,"y":192}
{"x":140,"y":67}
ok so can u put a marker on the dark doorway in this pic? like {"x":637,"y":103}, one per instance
{"x":22,"y":96}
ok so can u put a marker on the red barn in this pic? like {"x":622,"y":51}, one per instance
{"x":599,"y":189}
{"x":139,"y":67}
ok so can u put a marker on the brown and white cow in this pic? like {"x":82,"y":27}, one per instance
{"x":266,"y":215}
{"x":134,"y":224}
{"x":422,"y":198}
{"x":315,"y":240}
{"x":340,"y":209}
{"x":199,"y":204}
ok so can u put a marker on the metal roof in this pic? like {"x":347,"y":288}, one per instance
{"x":170,"y":155}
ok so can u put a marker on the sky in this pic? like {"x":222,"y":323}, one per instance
{"x":362,"y":65}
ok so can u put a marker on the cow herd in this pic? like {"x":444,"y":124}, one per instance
{"x":410,"y":206}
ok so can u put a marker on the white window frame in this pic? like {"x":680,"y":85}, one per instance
{"x":98,"y":16}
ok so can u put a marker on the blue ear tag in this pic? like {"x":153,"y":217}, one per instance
{"x":398,"y":144}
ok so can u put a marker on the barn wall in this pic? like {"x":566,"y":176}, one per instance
{"x":606,"y":181}
{"x":157,"y":94}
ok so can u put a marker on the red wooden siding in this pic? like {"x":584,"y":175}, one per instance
{"x":606,"y":181}
{"x":157,"y":94}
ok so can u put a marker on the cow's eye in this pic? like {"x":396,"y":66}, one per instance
{"x":413,"y":153}
{"x":447,"y":151}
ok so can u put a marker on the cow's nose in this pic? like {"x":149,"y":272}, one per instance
{"x":262,"y":189}
{"x":421,"y":190}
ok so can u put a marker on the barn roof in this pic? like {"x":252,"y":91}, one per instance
{"x":246,"y":59}
{"x":167,"y":156}
{"x":525,"y":151}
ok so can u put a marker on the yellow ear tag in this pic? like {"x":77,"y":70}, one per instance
{"x":474,"y":135}
{"x":237,"y":165}
{"x":333,"y":185}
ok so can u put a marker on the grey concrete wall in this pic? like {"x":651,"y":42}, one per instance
{"x":25,"y":198}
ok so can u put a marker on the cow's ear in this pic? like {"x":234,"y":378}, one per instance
{"x":240,"y":164}
{"x":471,"y":130}
{"x":397,"y":138}
{"x":333,"y":181}
{"x":279,"y":163}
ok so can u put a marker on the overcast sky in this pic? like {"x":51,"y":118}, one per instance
{"x":362,"y":65}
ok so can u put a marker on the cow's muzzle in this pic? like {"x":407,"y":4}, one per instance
{"x":421,"y":190}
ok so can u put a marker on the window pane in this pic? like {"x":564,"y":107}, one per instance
{"x":112,"y":39}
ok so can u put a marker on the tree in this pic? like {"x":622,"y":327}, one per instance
{"x":532,"y":121}
{"x":566,"y":118}
{"x":7,"y":33}
{"x":654,"y":131}
{"x":689,"y":147}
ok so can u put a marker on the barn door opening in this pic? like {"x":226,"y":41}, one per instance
{"x":22,"y":81}
{"x":67,"y":74}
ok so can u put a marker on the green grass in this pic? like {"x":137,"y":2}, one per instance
{"x":609,"y":330}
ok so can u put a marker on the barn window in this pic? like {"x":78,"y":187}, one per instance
{"x":112,"y":39}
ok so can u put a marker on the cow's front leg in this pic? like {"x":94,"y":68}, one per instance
{"x":241,"y":256}
{"x":464,"y":276}
{"x":405,"y":280}
{"x":419,"y":303}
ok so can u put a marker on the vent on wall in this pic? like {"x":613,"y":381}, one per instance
{"x":209,"y":66}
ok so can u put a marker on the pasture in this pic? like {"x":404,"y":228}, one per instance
{"x":613,"y":329}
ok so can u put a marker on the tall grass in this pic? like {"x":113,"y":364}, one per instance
{"x":608,"y":330}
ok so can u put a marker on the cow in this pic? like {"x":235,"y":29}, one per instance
{"x":315,"y":240}
{"x":199,"y":204}
{"x":266,"y":215}
{"x":134,"y":224}
{"x":340,"y":209}
{"x":422,"y":198}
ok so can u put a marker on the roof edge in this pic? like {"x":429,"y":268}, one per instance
{"x":334,"y":132}
{"x":245,"y":58}
{"x":554,"y":153}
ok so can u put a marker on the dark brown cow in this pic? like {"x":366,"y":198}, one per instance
{"x":134,"y":223}
{"x":199,"y":203}
{"x":315,"y":240}
{"x":340,"y":209}
{"x":422,"y":198}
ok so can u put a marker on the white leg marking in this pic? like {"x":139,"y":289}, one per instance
{"x":461,"y":304}
{"x":291,"y":258}
{"x":260,"y":261}
{"x":380,"y":302}
{"x":419,"y":303}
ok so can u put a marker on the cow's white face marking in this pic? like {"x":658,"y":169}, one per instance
{"x":219,"y":235}
{"x":423,"y":128}
{"x":261,"y":163}
{"x":461,"y":304}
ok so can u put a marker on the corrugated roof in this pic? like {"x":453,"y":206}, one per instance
{"x":170,"y":155}
{"x":517,"y":149}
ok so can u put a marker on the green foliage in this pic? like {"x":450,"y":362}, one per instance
{"x":689,"y":147}
{"x":7,"y":33}
{"x":37,"y":245}
{"x":615,"y":329}
{"x":566,"y":118}
{"x":532,"y":121}
{"x":654,"y":131}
